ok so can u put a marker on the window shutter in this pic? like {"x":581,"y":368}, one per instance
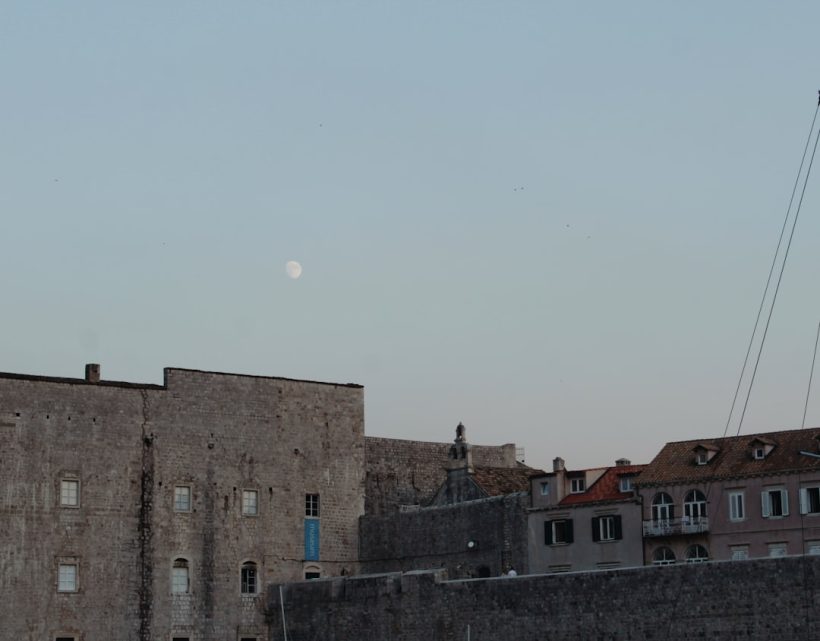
{"x":804,"y":501}
{"x":784,"y":495}
{"x":547,"y":532}
{"x":570,"y":538}
{"x":671,"y":512}
{"x":596,"y":529}
{"x":617,"y":524}
{"x":764,"y":504}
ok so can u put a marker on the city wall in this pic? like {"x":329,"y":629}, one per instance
{"x":755,"y":600}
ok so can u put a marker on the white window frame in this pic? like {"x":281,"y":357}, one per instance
{"x":180,"y":492}
{"x":737,"y":505}
{"x":698,"y":558}
{"x":662,"y":512}
{"x":554,"y":525}
{"x":545,"y":488}
{"x":695,"y":507}
{"x":666,"y":560}
{"x":759,"y":453}
{"x":181,"y":581}
{"x":625,"y":484}
{"x":739,"y":552}
{"x":577,"y":485}
{"x":250,"y":502}
{"x":68,"y":577}
{"x":766,"y":502}
{"x":702,"y":458}
{"x":70,"y":492}
{"x":606,"y":528}
{"x":806,"y":502}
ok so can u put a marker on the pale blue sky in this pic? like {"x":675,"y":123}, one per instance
{"x":552,"y":221}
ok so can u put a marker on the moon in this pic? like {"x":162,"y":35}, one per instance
{"x":294,"y":269}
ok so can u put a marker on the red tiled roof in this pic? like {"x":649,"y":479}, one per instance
{"x":675,"y":463}
{"x":498,"y":481}
{"x":606,"y":488}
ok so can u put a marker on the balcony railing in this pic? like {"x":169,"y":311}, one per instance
{"x":671,"y":527}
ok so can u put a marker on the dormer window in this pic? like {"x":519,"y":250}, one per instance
{"x":702,"y":458}
{"x":761,"y":447}
{"x":576,"y":486}
{"x":759,"y":453}
{"x":705,"y":453}
{"x":625,"y":484}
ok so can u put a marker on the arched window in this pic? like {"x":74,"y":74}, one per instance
{"x":180,"y":581}
{"x":663,"y":509}
{"x":694,"y":504}
{"x":696,"y":554}
{"x":248,"y":578}
{"x":663,"y":556}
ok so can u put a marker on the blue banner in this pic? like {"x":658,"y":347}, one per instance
{"x":311,"y":539}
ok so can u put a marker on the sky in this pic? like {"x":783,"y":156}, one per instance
{"x":552,"y":221}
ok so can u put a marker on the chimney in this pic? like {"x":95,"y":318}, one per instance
{"x":92,"y":372}
{"x":622,"y":462}
{"x":558,"y":464}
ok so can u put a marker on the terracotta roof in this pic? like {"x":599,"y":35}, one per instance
{"x":606,"y":488}
{"x":675,"y":463}
{"x":497,"y":481}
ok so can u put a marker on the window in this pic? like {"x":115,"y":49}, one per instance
{"x":180,"y":583}
{"x":70,"y":493}
{"x":606,"y":528}
{"x":180,"y":638}
{"x":310,"y":576}
{"x":182,"y":498}
{"x":740,"y":552}
{"x":663,"y":556}
{"x":625,"y":484}
{"x":777,"y":549}
{"x":702,"y":458}
{"x":545,"y":488}
{"x":775,"y":503}
{"x":65,"y":638}
{"x":67,"y":577}
{"x":558,"y":532}
{"x":576,"y":486}
{"x":663,"y":510}
{"x":248,"y":578}
{"x":696,"y":554}
{"x":312,"y":505}
{"x":250,"y":502}
{"x":694,"y":505}
{"x":810,"y":500}
{"x":737,"y":509}
{"x":759,"y":453}
{"x":813,"y":548}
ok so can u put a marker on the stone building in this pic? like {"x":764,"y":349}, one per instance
{"x":158,"y":512}
{"x":735,"y":498}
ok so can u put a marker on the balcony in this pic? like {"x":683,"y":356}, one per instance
{"x":672,"y":527}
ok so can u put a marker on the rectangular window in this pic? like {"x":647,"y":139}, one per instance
{"x":180,"y":638}
{"x":777,"y":549}
{"x":740,"y":552}
{"x":179,"y":577}
{"x":606,"y":528}
{"x":70,"y":493}
{"x":67,"y":577}
{"x":545,"y":488}
{"x":312,"y":505}
{"x":625,"y":484}
{"x":65,"y":639}
{"x":775,"y":503}
{"x":558,"y":532}
{"x":813,"y":548}
{"x":810,"y":500}
{"x":737,"y":511}
{"x":576,"y":486}
{"x":182,"y":498}
{"x":250,"y":502}
{"x":759,"y":453}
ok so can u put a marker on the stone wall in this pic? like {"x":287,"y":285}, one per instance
{"x":757,"y":600}
{"x":476,"y":538}
{"x":401,"y":472}
{"x":129,"y":446}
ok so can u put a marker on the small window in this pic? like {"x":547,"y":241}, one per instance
{"x":696,"y":554}
{"x":248,"y":578}
{"x":180,"y":638}
{"x":702,"y":458}
{"x":777,"y":549}
{"x":775,"y":503}
{"x":810,"y":500}
{"x":813,"y":548}
{"x":182,"y":498}
{"x":606,"y":528}
{"x":180,"y":582}
{"x":545,"y":488}
{"x":63,"y":638}
{"x":558,"y":532}
{"x":663,"y":556}
{"x":67,"y":577}
{"x":312,"y":505}
{"x":740,"y":552}
{"x":576,"y":486}
{"x":310,"y":576}
{"x":625,"y":484}
{"x":250,"y":502}
{"x":759,"y":453}
{"x":737,"y":508}
{"x":70,"y":493}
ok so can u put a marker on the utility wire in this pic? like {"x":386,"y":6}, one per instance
{"x":771,"y":272}
{"x":811,"y":375}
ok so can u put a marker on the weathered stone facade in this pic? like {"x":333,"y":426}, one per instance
{"x":89,"y":478}
{"x":756,"y":600}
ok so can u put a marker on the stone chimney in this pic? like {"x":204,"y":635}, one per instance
{"x":558,"y":464}
{"x":622,"y":462}
{"x":92,"y":372}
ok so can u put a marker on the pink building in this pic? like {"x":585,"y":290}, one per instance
{"x":732,"y":498}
